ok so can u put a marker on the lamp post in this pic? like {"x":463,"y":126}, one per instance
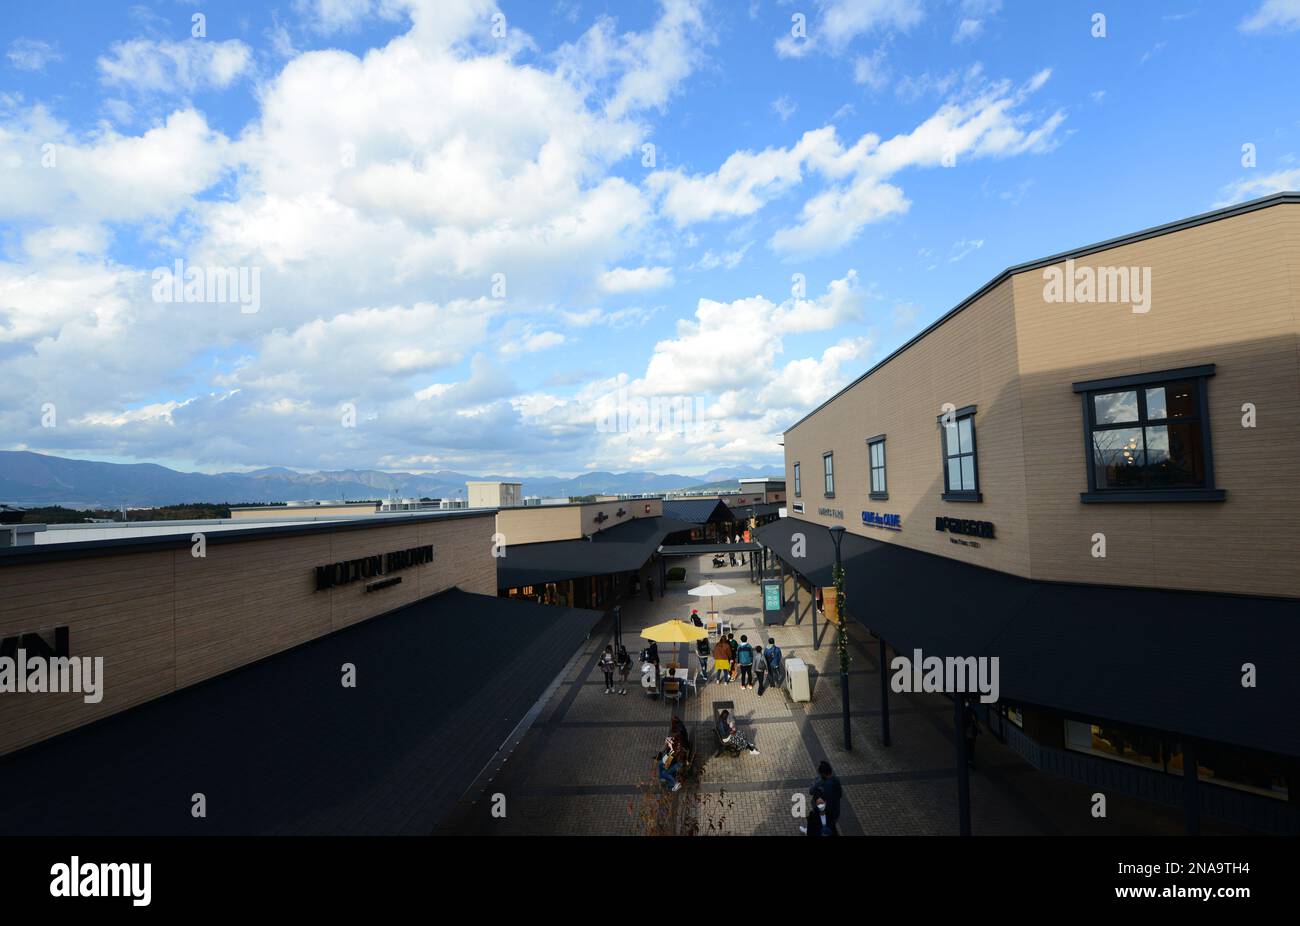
{"x":842,"y":638}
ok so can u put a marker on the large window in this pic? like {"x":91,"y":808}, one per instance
{"x":876,"y":455}
{"x":797,"y":487}
{"x":828,"y":471}
{"x":1148,"y":437}
{"x":960,"y":467}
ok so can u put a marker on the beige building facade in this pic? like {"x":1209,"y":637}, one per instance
{"x":167,"y":612}
{"x":1203,"y":496}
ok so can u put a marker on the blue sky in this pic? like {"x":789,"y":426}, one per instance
{"x":480,"y":233}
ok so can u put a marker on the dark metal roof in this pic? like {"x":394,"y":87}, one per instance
{"x":697,"y":510}
{"x":759,"y":509}
{"x":77,"y":549}
{"x":1169,"y":228}
{"x":1157,"y":658}
{"x":695,"y":549}
{"x":281,"y":747}
{"x":616,"y":549}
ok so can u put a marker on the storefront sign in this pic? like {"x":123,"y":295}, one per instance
{"x":831,"y":513}
{"x":371,"y":567}
{"x":962,"y":526}
{"x":889,"y":522}
{"x":772,"y":596}
{"x":37,"y":644}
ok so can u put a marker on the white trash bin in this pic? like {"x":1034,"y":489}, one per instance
{"x":796,"y":679}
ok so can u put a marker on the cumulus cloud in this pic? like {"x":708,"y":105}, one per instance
{"x":838,"y":22}
{"x":161,"y":66}
{"x":31,"y":54}
{"x":1254,"y":187}
{"x":635,"y":279}
{"x":981,"y":123}
{"x":1273,"y":16}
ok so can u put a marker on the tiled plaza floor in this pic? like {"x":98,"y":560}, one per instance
{"x":585,"y":764}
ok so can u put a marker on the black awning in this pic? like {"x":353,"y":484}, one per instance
{"x":696,"y":511}
{"x":281,"y":747}
{"x":696,"y":549}
{"x":618,"y":549}
{"x":1164,"y":659}
{"x":760,"y":510}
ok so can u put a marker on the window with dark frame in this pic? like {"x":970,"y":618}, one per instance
{"x":960,"y":463}
{"x":1147,"y":437}
{"x":797,"y":486}
{"x":879,"y":486}
{"x":828,"y":470}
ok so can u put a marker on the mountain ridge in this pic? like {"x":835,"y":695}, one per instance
{"x":31,"y":478}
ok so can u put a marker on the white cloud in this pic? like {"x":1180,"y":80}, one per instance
{"x":635,"y":279}
{"x":184,"y":67}
{"x":839,"y":22}
{"x":968,"y":30}
{"x":1273,"y":15}
{"x":638,"y":71}
{"x":31,"y":54}
{"x":981,"y":123}
{"x":784,"y":107}
{"x":1255,"y":187}
{"x":533,"y":342}
{"x":870,"y":70}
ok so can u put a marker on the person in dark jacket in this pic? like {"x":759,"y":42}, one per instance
{"x":830,"y":788}
{"x":972,"y":732}
{"x":819,"y":822}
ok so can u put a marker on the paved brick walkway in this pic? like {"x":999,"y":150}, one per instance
{"x":588,"y":757}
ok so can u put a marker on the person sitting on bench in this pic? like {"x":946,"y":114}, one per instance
{"x":730,"y":736}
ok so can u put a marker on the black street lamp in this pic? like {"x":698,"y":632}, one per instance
{"x":842,"y":638}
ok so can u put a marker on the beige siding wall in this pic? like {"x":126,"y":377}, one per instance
{"x":165,"y":620}
{"x":1226,"y":293}
{"x":971,"y":360}
{"x":1222,"y":293}
{"x":543,"y":523}
{"x":301,"y":511}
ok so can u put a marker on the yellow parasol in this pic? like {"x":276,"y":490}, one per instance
{"x":674,"y":631}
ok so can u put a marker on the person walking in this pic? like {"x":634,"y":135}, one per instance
{"x":732,"y":553}
{"x":745,"y":659}
{"x":722,"y":661}
{"x":650,"y":587}
{"x":772,"y":656}
{"x":972,"y":733}
{"x":760,"y":670}
{"x":624,"y":661}
{"x":607,"y":665}
{"x":830,"y":788}
{"x":734,"y":646}
{"x":819,"y":822}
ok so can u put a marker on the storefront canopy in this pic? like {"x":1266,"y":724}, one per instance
{"x":1163,"y":659}
{"x":618,"y":549}
{"x":281,"y":747}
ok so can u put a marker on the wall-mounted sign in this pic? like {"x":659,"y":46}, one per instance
{"x":772,"y":595}
{"x":963,"y":526}
{"x":371,"y":567}
{"x":831,"y":604}
{"x":601,"y":517}
{"x":831,"y":513}
{"x":889,"y":522}
{"x":384,"y":583}
{"x":37,"y":644}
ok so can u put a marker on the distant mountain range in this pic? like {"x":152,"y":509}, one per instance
{"x":28,"y":478}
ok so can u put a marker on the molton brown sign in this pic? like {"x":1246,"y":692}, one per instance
{"x":371,"y":567}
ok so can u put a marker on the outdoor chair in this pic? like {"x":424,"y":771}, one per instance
{"x":694,"y":681}
{"x":673,"y":690}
